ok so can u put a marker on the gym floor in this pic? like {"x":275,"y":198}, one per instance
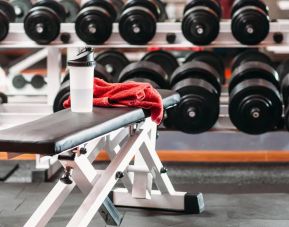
{"x":235,"y":195}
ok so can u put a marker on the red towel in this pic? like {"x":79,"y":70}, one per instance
{"x":132,"y":94}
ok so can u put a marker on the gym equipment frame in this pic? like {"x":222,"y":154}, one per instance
{"x":135,"y":142}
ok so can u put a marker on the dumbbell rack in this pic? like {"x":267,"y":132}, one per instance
{"x":18,"y":39}
{"x":169,"y":35}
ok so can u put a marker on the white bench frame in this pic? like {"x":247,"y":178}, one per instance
{"x":135,"y":143}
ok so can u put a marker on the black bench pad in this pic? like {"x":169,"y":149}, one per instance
{"x":65,"y":130}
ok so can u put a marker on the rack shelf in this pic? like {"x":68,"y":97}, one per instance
{"x":18,"y":39}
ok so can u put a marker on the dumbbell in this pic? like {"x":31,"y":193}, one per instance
{"x":99,"y":72}
{"x":42,"y":23}
{"x":165,"y":59}
{"x":137,"y":23}
{"x":201,"y":21}
{"x":7,"y":15}
{"x":210,"y":58}
{"x":146,"y":72}
{"x":113,"y":61}
{"x":255,"y":104}
{"x":94,"y":22}
{"x":64,"y":90}
{"x":199,"y":84}
{"x":21,"y":8}
{"x":3,"y":98}
{"x":250,"y":21}
{"x":283,"y":70}
{"x":37,"y":81}
{"x":72,"y":9}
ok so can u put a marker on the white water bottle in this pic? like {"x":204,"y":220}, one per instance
{"x":81,"y":70}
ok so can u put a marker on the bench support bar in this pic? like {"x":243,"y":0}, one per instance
{"x":136,"y":144}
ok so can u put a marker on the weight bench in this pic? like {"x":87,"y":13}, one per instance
{"x":128,"y":136}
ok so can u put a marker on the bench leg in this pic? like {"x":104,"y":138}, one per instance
{"x":84,"y":176}
{"x":104,"y":185}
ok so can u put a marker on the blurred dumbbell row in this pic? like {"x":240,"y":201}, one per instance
{"x":256,"y":92}
{"x":137,"y":20}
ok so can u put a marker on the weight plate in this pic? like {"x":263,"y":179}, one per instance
{"x":93,"y":25}
{"x":145,"y":69}
{"x":113,"y":61}
{"x":4,"y":25}
{"x":254,"y":70}
{"x":197,"y":70}
{"x":61,"y":96}
{"x":106,"y":5}
{"x":162,"y":8}
{"x":211,"y":59}
{"x":19,"y":82}
{"x":72,"y":8}
{"x":42,"y":25}
{"x":200,"y":25}
{"x":198,"y":109}
{"x":8,"y":10}
{"x":238,"y":4}
{"x":164,"y":59}
{"x":250,"y":55}
{"x":21,"y":8}
{"x":3,"y":98}
{"x":286,"y":118}
{"x":150,"y":5}
{"x":99,"y":72}
{"x":283,"y":69}
{"x":38,"y":81}
{"x":144,"y":80}
{"x":212,"y":4}
{"x":137,"y":25}
{"x":255,"y":106}
{"x":250,"y":26}
{"x":55,"y":6}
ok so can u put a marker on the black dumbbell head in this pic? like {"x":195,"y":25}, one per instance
{"x":8,"y":10}
{"x":283,"y":69}
{"x":137,"y":24}
{"x":211,"y":59}
{"x":99,"y":72}
{"x":62,"y":95}
{"x":164,"y":59}
{"x":108,"y":6}
{"x":53,"y":5}
{"x":42,"y":23}
{"x":198,"y":109}
{"x":163,"y":16}
{"x":201,"y":21}
{"x":38,"y":81}
{"x":197,"y":70}
{"x":250,"y":55}
{"x":255,"y":106}
{"x":3,"y":98}
{"x":72,"y":8}
{"x":147,"y":70}
{"x":19,"y":82}
{"x":144,"y":80}
{"x":251,"y":65}
{"x":21,"y":8}
{"x":7,"y":14}
{"x":250,"y":21}
{"x":113,"y":61}
{"x":93,"y":25}
{"x":238,"y":4}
